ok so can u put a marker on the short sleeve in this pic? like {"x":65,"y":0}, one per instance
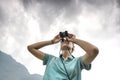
{"x":82,"y":65}
{"x":47,"y":58}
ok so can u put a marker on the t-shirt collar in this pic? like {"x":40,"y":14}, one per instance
{"x":69,"y":58}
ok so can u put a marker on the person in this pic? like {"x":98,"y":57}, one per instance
{"x":65,"y":67}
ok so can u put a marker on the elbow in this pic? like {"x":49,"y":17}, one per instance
{"x":29,"y":48}
{"x":95,"y":50}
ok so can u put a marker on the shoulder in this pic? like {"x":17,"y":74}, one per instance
{"x":47,"y":58}
{"x":82,"y":64}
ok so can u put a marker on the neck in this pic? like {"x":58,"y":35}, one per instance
{"x":65,"y":54}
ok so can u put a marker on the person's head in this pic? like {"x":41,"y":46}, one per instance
{"x":66,"y":45}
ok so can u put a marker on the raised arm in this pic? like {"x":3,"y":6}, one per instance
{"x":91,"y":50}
{"x":33,"y":48}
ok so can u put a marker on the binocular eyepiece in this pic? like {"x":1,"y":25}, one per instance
{"x":63,"y":35}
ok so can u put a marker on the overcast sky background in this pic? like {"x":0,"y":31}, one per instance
{"x":23,"y":22}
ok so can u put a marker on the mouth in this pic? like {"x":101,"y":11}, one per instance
{"x":65,"y":45}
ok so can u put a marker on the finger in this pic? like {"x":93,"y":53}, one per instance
{"x":69,"y":39}
{"x":70,"y":35}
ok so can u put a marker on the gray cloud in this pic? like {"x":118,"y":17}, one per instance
{"x":118,"y":16}
{"x":99,"y":3}
{"x":1,"y":16}
{"x":118,"y":2}
{"x":13,"y":22}
{"x":12,"y":25}
{"x":3,"y":22}
{"x":46,"y":11}
{"x":27,"y":3}
{"x":57,"y":3}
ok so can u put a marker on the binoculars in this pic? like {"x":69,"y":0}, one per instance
{"x":63,"y":35}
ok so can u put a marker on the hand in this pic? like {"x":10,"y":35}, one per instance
{"x":56,"y":39}
{"x":71,"y":38}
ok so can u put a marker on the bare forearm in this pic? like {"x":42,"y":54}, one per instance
{"x":88,"y":47}
{"x":41,"y":44}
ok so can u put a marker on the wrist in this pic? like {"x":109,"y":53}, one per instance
{"x":52,"y":41}
{"x":75,"y":41}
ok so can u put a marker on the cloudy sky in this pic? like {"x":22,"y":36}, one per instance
{"x":23,"y":22}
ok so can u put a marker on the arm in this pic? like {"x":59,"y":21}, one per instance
{"x":33,"y":48}
{"x":91,"y":50}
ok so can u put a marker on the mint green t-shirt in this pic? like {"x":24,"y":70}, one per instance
{"x":56,"y":71}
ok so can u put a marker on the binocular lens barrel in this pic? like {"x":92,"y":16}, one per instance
{"x":63,"y":35}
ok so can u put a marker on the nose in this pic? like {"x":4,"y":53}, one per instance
{"x":65,"y":41}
